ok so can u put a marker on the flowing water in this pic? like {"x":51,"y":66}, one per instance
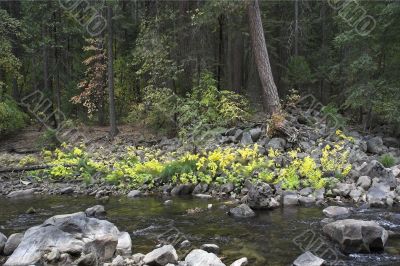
{"x":271,"y":238}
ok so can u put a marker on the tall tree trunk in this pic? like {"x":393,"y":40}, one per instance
{"x":270,"y":92}
{"x":113,"y":118}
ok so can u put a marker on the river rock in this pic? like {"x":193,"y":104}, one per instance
{"x":242,"y":211}
{"x":118,"y":261}
{"x":66,"y":191}
{"x":375,"y":145}
{"x":356,"y":236}
{"x":200,"y":188}
{"x":12,"y":243}
{"x":246,"y":139}
{"x":54,"y":255}
{"x":343,"y":189}
{"x":276,"y":144}
{"x":213,"y":248}
{"x":134,"y":194}
{"x":260,"y":196}
{"x":3,"y":241}
{"x":376,"y":169}
{"x":70,"y":233}
{"x":364,"y":182}
{"x":161,"y":256}
{"x":97,"y":211}
{"x":305,"y":191}
{"x":290,"y":200}
{"x":227,"y":188}
{"x":378,"y":194}
{"x":87,"y":260}
{"x":355,"y":194}
{"x":240,"y":262}
{"x":21,"y":193}
{"x":308,"y":259}
{"x":200,"y":257}
{"x":255,"y":133}
{"x":336,"y":211}
{"x":203,"y":196}
{"x":124,"y":246}
{"x":182,"y":189}
{"x":307,"y":201}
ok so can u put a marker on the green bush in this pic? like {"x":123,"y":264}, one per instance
{"x":11,"y":117}
{"x":387,"y":160}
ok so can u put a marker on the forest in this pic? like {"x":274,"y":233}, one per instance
{"x":228,"y":132}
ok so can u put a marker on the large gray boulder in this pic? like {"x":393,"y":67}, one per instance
{"x":308,"y":259}
{"x":364,"y":182}
{"x":378,"y":194}
{"x":161,"y":256}
{"x":242,"y":211}
{"x":3,"y":241}
{"x":356,"y":236}
{"x":97,"y":211}
{"x":255,"y":133}
{"x":74,"y":234}
{"x":336,"y":211}
{"x":200,"y":257}
{"x":182,"y":189}
{"x":376,"y":169}
{"x":240,"y":262}
{"x":276,"y":144}
{"x":124,"y":246}
{"x":12,"y":243}
{"x":260,"y":196}
{"x":375,"y":145}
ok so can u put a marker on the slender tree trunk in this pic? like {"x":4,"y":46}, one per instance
{"x":270,"y":92}
{"x":113,"y":118}
{"x":237,"y":72}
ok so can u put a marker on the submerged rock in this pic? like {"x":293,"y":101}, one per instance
{"x":213,"y":248}
{"x":356,"y":236}
{"x":242,"y":211}
{"x":308,"y":259}
{"x":74,"y":234}
{"x":200,"y":257}
{"x":161,"y":256}
{"x":336,"y":211}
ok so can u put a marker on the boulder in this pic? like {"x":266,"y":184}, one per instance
{"x":21,"y":193}
{"x":307,"y":201}
{"x":308,"y":259}
{"x":305,"y":191}
{"x":87,"y":260}
{"x":118,"y":261}
{"x":376,"y":169}
{"x":246,"y":139}
{"x":227,"y":188}
{"x":213,"y":248}
{"x":240,"y":262}
{"x":355,"y":194}
{"x":242,"y":211}
{"x":336,"y":212}
{"x":74,"y":234}
{"x":200,"y":257}
{"x":290,"y":200}
{"x":356,"y":236}
{"x":260,"y":196}
{"x":255,"y":134}
{"x":364,"y":182}
{"x":124,"y":246}
{"x":66,"y":191}
{"x":134,"y":194}
{"x":277,"y":144}
{"x":161,"y":256}
{"x":238,"y":135}
{"x":12,"y":243}
{"x":182,"y":189}
{"x":375,"y":145}
{"x":343,"y":189}
{"x":3,"y":241}
{"x":97,"y":211}
{"x":203,"y":196}
{"x":377,"y":195}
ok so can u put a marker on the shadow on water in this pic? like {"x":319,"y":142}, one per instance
{"x":270,"y":238}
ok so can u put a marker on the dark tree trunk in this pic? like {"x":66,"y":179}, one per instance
{"x":221,"y":19}
{"x":270,"y":92}
{"x":113,"y":118}
{"x":237,"y":62}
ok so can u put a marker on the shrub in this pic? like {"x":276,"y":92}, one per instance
{"x":11,"y":117}
{"x":387,"y":160}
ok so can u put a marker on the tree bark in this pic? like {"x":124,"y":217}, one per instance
{"x":113,"y":118}
{"x":270,"y":92}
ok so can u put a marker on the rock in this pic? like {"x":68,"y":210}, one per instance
{"x":70,"y":233}
{"x":182,"y":189}
{"x":276,"y":144}
{"x":97,"y":211}
{"x":12,"y":243}
{"x":305,"y":191}
{"x":356,"y":236}
{"x":54,"y":255}
{"x":377,"y":194}
{"x":260,"y":196}
{"x":118,"y":261}
{"x":242,"y":211}
{"x":21,"y":193}
{"x":3,"y":241}
{"x":240,"y":262}
{"x":31,"y":210}
{"x":203,"y":196}
{"x":308,"y":259}
{"x":238,"y":135}
{"x":227,"y":188}
{"x":134,"y":194}
{"x":374,"y":145}
{"x":200,"y":257}
{"x":319,"y":194}
{"x":364,"y":182}
{"x":326,"y":221}
{"x":246,"y":139}
{"x":138,"y":258}
{"x":124,"y":246}
{"x":255,"y":134}
{"x":342,"y":189}
{"x":355,"y":194}
{"x":391,"y":142}
{"x":376,"y":169}
{"x":213,"y":248}
{"x":200,"y":188}
{"x":87,"y":260}
{"x":168,"y":202}
{"x":185,"y":244}
{"x":161,"y":256}
{"x":307,"y":201}
{"x":66,"y":191}
{"x":336,"y":212}
{"x":290,"y":200}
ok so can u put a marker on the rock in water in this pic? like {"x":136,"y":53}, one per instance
{"x":308,"y":259}
{"x":161,"y":256}
{"x":134,"y":194}
{"x":242,"y":211}
{"x":356,"y":236}
{"x":71,"y":233}
{"x":240,"y":262}
{"x":97,"y":211}
{"x":21,"y":193}
{"x":124,"y":246}
{"x":3,"y":241}
{"x":213,"y":248}
{"x":378,"y":194}
{"x":200,"y":257}
{"x":12,"y":243}
{"x":260,"y":196}
{"x":336,"y":211}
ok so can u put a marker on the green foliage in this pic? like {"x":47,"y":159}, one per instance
{"x":387,"y":160}
{"x":48,"y":139}
{"x":12,"y":118}
{"x":298,"y":72}
{"x":332,"y":116}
